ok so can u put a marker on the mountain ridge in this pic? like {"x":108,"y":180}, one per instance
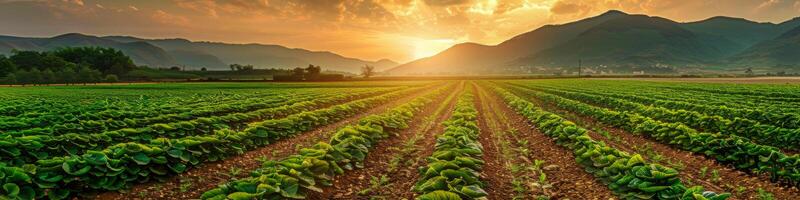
{"x":205,"y":54}
{"x":638,"y":42}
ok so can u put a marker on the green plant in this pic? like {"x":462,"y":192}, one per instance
{"x":376,"y":183}
{"x":764,"y":195}
{"x":703,"y":172}
{"x":185,"y":184}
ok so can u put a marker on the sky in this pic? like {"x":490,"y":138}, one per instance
{"x":400,"y":30}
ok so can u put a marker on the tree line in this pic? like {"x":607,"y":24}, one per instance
{"x":68,"y":65}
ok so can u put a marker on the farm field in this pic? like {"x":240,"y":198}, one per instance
{"x":437,"y":139}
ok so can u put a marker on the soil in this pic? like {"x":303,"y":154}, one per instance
{"x":400,"y":181}
{"x":494,"y":172}
{"x":568,"y":179}
{"x":193,"y":182}
{"x":694,"y":168}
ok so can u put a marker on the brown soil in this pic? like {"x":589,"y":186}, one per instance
{"x":694,"y":168}
{"x":192,"y":183}
{"x":402,"y":179}
{"x":568,"y":179}
{"x":494,"y":172}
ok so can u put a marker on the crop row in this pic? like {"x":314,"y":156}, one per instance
{"x":187,"y":113}
{"x":728,"y":149}
{"x":453,"y":170}
{"x":294,"y":176}
{"x":628,"y":176}
{"x":52,"y":122}
{"x":119,"y":165}
{"x":44,"y":113}
{"x":768,"y":104}
{"x":785,"y":120}
{"x":28,"y":149}
{"x":760,"y":133}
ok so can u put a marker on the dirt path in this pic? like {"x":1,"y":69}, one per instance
{"x":394,"y":159}
{"x":566,"y":178}
{"x":195,"y":181}
{"x":694,"y":168}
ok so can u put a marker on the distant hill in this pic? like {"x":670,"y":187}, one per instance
{"x":141,"y":52}
{"x":171,"y":52}
{"x":783,"y":51}
{"x":613,"y":39}
{"x":477,"y":57}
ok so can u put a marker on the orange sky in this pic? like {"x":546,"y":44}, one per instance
{"x":401,"y":30}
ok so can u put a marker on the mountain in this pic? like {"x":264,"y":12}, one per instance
{"x":611,"y":40}
{"x":141,"y":52}
{"x":781,"y":51}
{"x":477,"y":57}
{"x":212,"y":55}
{"x":268,"y":56}
{"x":633,"y":40}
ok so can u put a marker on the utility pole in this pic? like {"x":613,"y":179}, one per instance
{"x":579,"y":67}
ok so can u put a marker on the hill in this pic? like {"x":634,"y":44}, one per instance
{"x":780,"y":52}
{"x":194,"y":55}
{"x":613,"y":39}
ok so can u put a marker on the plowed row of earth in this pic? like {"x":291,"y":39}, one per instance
{"x":385,"y":178}
{"x":694,"y":168}
{"x":192,"y":183}
{"x":405,"y":152}
{"x":565,"y":178}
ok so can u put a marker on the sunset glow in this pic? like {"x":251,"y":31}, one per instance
{"x":362,"y":29}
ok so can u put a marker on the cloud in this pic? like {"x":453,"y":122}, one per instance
{"x":76,"y":2}
{"x":370,"y":29}
{"x":446,"y":2}
{"x":797,"y":5}
{"x":768,"y":4}
{"x":167,"y":18}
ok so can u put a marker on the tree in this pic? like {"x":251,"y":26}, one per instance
{"x":11,"y":78}
{"x":248,"y":68}
{"x":87,"y":75}
{"x":69,"y":76}
{"x":6,"y":66}
{"x":203,"y":69}
{"x":111,"y":78}
{"x":749,"y":71}
{"x":367,"y":71}
{"x":26,"y":60}
{"x":101,"y":59}
{"x":233,"y":66}
{"x":24,"y":77}
{"x":313,"y":71}
{"x":48,"y":77}
{"x":175,"y":68}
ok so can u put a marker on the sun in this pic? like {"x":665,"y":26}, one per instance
{"x":424,"y":48}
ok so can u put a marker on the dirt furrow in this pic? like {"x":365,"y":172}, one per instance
{"x":193,"y":182}
{"x":568,"y":180}
{"x":494,"y":172}
{"x":380,"y":177}
{"x":694,"y":168}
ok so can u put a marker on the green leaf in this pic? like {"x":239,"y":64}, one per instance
{"x":439,"y":195}
{"x":11,"y":189}
{"x":141,"y":158}
{"x":242,"y":196}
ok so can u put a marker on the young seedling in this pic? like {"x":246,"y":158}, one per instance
{"x":703,"y":172}
{"x":764,"y":195}
{"x":715,"y":176}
